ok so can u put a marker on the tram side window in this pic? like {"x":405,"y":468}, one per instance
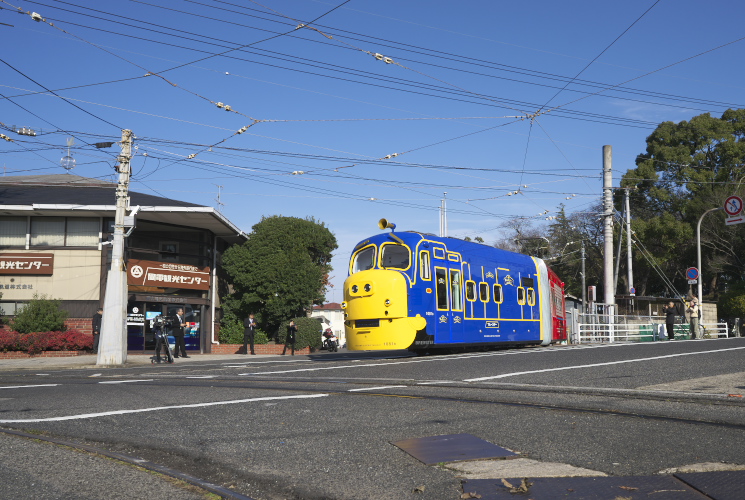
{"x":498,"y":298}
{"x":441,"y":288}
{"x":484,"y":292}
{"x":521,"y":295}
{"x":470,"y":290}
{"x":364,"y":260}
{"x":456,"y":293}
{"x":524,"y":291}
{"x":424,"y":270}
{"x":395,"y":256}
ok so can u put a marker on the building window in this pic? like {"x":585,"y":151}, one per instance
{"x":47,"y":231}
{"x":169,"y":251}
{"x":13,"y":231}
{"x":82,"y":232}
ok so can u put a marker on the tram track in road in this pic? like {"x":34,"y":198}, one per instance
{"x":501,"y":394}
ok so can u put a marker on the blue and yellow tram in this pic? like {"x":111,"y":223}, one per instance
{"x":416,"y":291}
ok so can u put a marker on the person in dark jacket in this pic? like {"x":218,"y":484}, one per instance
{"x":671,"y":312}
{"x":291,"y":337}
{"x":249,"y":325}
{"x":178,"y":334}
{"x":97,"y":328}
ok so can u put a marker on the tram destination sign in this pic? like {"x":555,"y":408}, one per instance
{"x":167,"y":275}
{"x":40,"y":264}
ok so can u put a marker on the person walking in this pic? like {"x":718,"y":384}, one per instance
{"x":290,"y":339}
{"x":96,"y":323}
{"x":671,"y":312}
{"x":695,"y":313}
{"x":178,"y":333}
{"x":249,"y":325}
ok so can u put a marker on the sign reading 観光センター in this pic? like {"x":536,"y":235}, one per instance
{"x":27,"y":263}
{"x":167,"y":275}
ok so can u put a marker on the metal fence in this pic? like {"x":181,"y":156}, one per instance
{"x":602,"y":328}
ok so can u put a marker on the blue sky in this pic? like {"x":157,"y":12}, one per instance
{"x":453,"y":105}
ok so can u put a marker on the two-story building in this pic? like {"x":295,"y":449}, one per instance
{"x":55,"y":233}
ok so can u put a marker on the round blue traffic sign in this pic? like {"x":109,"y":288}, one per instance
{"x":692,"y":273}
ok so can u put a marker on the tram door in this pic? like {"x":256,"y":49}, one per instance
{"x":449,"y":295}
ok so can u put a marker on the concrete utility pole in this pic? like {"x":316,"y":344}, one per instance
{"x":443,"y":216}
{"x":629,"y":267}
{"x":609,"y":295}
{"x":584,"y":286}
{"x":112,"y":347}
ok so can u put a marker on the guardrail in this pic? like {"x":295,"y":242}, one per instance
{"x":644,"y":332}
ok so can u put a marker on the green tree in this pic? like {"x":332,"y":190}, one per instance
{"x":688,"y":168}
{"x":279,"y":272}
{"x":41,"y":314}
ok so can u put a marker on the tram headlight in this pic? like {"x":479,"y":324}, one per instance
{"x":355,"y":288}
{"x":344,"y":305}
{"x":368,"y":287}
{"x":387,"y":302}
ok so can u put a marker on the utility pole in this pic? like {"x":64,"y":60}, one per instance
{"x":629,"y":267}
{"x":584,"y":286}
{"x":112,"y":349}
{"x":443,"y":216}
{"x":609,"y":297}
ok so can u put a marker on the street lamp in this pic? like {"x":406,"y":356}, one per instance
{"x":698,"y":261}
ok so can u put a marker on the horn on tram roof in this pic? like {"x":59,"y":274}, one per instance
{"x":385,"y":224}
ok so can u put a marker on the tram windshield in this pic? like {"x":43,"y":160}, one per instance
{"x":394,"y":256}
{"x":364,"y":260}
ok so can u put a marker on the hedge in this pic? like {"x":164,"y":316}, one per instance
{"x":34,"y":343}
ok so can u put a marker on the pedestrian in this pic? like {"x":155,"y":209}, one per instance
{"x":97,"y":328}
{"x":249,"y":325}
{"x":291,"y":337}
{"x":671,"y":312}
{"x":178,"y":333}
{"x":695,"y":313}
{"x":161,"y":340}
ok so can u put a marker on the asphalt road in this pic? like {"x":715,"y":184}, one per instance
{"x":321,"y":426}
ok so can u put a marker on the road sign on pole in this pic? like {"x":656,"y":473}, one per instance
{"x":733,"y":205}
{"x":692,"y":274}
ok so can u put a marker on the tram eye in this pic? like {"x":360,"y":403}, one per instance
{"x":387,"y":302}
{"x":355,"y":289}
{"x":367,"y":287}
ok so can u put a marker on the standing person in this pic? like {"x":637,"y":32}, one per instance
{"x":670,"y":313}
{"x":97,"y":328}
{"x":248,"y":333}
{"x":178,"y":333}
{"x":695,"y":312}
{"x":291,"y":337}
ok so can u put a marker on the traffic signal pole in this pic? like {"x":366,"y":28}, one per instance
{"x":112,"y":346}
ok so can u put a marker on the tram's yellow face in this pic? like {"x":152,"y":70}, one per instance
{"x":375,"y":311}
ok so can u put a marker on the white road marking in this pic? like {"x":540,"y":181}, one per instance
{"x":25,"y":386}
{"x":158,"y":408}
{"x":574,"y":367}
{"x":376,"y":388}
{"x":438,"y":382}
{"x":203,"y":376}
{"x":125,"y":381}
